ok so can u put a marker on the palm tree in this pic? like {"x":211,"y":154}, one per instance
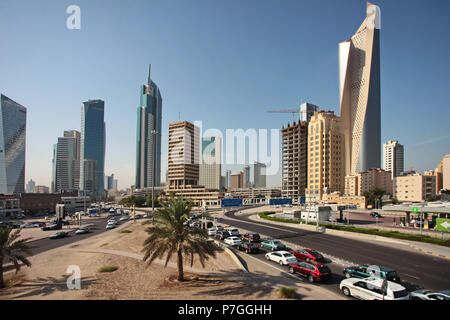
{"x":12,"y":250}
{"x":173,"y":235}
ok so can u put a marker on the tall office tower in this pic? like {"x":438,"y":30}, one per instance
{"x":247,"y":177}
{"x":30,"y":186}
{"x":211,"y":162}
{"x":359,"y":86}
{"x":393,"y":158}
{"x":259,"y":177}
{"x":184,"y":154}
{"x":109,"y":182}
{"x":66,"y":162}
{"x":92,"y":153}
{"x":306,"y":111}
{"x":13,"y":122}
{"x":227,"y":178}
{"x":148,"y":137}
{"x":326,"y":153}
{"x":294,"y":160}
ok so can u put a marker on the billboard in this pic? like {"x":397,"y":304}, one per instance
{"x":280,"y":201}
{"x":231,"y":203}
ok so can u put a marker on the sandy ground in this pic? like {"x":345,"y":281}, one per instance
{"x":47,"y":278}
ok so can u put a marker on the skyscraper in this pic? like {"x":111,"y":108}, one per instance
{"x":247,"y":174}
{"x":13,"y":122}
{"x":148,"y":137}
{"x":30,"y":186}
{"x":307,"y":110}
{"x":393,"y":158}
{"x":359,"y":86}
{"x":227,"y":178}
{"x":66,"y":162}
{"x":92,"y":153}
{"x":259,"y":177}
{"x":211,"y":162}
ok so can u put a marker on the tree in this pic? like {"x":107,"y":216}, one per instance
{"x":394,"y":200}
{"x":171,"y":235}
{"x":12,"y":250}
{"x":373,"y":195}
{"x":137,"y":201}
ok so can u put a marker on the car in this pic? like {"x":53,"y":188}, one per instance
{"x":232,"y":231}
{"x":313,"y":271}
{"x":284,"y":258}
{"x":375,"y":215}
{"x":112,"y":220}
{"x":371,"y":289}
{"x":222,"y":235}
{"x":211,"y":231}
{"x":366,"y":271}
{"x":138,"y":216}
{"x":252,"y":237}
{"x":248,"y":247}
{"x":39,"y":224}
{"x":147,"y":215}
{"x":111,"y":214}
{"x":195,"y":224}
{"x":425,"y":294}
{"x":233,"y":241}
{"x":52,"y":226}
{"x":59,"y":234}
{"x":110,"y":226}
{"x":308,"y":255}
{"x":124,"y":218}
{"x":30,"y":225}
{"x":82,"y":230}
{"x":218,"y":228}
{"x":273,"y":245}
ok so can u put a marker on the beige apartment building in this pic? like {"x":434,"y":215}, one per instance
{"x":414,"y":187}
{"x":337,"y":198}
{"x":326,"y":156}
{"x":183,"y":157}
{"x":294,"y":160}
{"x":442,"y":174}
{"x":361,"y":182}
{"x":237,"y":180}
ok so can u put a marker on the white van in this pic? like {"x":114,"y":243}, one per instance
{"x":232,"y":231}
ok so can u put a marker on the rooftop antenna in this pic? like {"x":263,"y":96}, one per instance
{"x":149,"y":70}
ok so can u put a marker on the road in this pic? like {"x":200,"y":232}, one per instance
{"x":414,"y":268}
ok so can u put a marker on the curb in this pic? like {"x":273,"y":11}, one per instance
{"x":429,"y":252}
{"x":232,"y":255}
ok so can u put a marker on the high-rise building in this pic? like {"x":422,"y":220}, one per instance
{"x":393,"y":158}
{"x":227,"y":178}
{"x":92,"y":149}
{"x":259,"y":176}
{"x":326,"y":152}
{"x":184,"y":154}
{"x":66,"y":162}
{"x":359,"y":86}
{"x":30,"y":186}
{"x":307,"y":110}
{"x":110,"y":182}
{"x":211,"y":162}
{"x":148,"y":137}
{"x":294,"y":160}
{"x":247,"y":177}
{"x":13,"y":122}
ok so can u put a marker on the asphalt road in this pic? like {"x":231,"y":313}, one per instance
{"x":414,"y":268}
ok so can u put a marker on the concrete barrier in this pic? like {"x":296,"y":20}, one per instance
{"x":233,"y":256}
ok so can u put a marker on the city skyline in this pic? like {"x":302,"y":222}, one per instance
{"x":422,"y":150}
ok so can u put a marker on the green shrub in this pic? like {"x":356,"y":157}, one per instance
{"x":287,"y":292}
{"x":108,"y":269}
{"x":125,"y":231}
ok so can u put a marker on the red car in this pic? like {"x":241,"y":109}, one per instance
{"x":308,"y":255}
{"x":248,"y":247}
{"x":312,"y":271}
{"x":253,"y":237}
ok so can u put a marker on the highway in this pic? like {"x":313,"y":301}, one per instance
{"x":414,"y":268}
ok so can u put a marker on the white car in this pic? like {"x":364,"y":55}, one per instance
{"x":211,"y":231}
{"x":282,"y":257}
{"x":233,"y":241}
{"x":110,"y":226}
{"x":370,"y":289}
{"x":124,"y":218}
{"x":233,"y":231}
{"x":112,"y":220}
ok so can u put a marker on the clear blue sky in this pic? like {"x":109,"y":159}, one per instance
{"x":223,"y":62}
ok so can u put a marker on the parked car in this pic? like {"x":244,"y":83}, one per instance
{"x":59,"y":234}
{"x":82,"y":230}
{"x":273,"y":245}
{"x":371,"y":289}
{"x":365,"y":271}
{"x":248,"y":247}
{"x":252,"y":237}
{"x":211,"y":231}
{"x":233,"y":241}
{"x":425,"y":294}
{"x":375,"y":215}
{"x":308,"y":255}
{"x":282,"y":257}
{"x":222,"y":235}
{"x":52,"y":226}
{"x":312,"y":271}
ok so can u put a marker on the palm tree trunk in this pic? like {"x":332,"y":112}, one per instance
{"x":2,"y":284}
{"x":180,"y":265}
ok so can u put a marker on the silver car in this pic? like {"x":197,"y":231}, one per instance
{"x":425,"y":294}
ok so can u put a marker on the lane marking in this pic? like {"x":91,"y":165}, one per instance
{"x":408,"y":275}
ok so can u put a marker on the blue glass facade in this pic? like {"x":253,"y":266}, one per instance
{"x":13,"y":120}
{"x":93,"y":133}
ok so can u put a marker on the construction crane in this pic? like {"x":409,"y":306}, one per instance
{"x":293,"y":111}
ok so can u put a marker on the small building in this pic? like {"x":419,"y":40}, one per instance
{"x":9,"y":206}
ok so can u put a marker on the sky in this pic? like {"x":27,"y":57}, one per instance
{"x":224,"y":63}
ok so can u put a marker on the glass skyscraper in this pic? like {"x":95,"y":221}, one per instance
{"x":13,"y":121}
{"x":148,"y":136}
{"x":92,"y":167}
